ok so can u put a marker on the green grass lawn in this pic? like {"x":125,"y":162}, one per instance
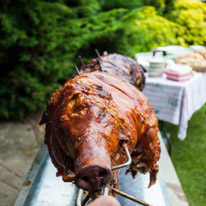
{"x":189,"y":158}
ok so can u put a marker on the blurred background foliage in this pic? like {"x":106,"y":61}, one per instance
{"x":40,"y":40}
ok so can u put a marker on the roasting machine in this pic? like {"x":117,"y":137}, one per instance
{"x":108,"y":189}
{"x":42,"y":188}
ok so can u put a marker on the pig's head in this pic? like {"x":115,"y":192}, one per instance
{"x":83,"y":134}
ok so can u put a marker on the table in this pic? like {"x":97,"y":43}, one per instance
{"x":175,"y":102}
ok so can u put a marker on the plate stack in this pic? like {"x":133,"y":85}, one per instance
{"x":156,"y":67}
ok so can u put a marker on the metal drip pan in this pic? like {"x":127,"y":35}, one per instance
{"x":43,"y":188}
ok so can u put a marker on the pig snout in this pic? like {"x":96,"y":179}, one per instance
{"x":93,"y":166}
{"x":93,"y":178}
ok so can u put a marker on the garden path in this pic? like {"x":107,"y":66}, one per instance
{"x":19,"y":143}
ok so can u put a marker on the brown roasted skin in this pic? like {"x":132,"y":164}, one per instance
{"x":91,"y":117}
{"x":121,"y":66}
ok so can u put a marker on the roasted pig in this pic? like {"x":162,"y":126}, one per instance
{"x":121,"y":66}
{"x":90,"y":118}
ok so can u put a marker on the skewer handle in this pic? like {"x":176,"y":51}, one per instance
{"x":97,"y":52}
{"x":129,"y":196}
{"x":129,"y":159}
{"x":81,"y":60}
{"x":77,"y":70}
{"x":79,"y":197}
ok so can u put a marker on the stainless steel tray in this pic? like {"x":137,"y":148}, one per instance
{"x":49,"y":190}
{"x":43,"y":188}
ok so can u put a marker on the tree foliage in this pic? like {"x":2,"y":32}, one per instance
{"x":162,"y":6}
{"x":191,"y":16}
{"x":34,"y":56}
{"x":152,"y":30}
{"x":41,"y":40}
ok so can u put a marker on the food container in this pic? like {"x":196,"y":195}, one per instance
{"x":173,"y":51}
{"x":197,"y":47}
{"x":156,"y":67}
{"x":157,"y":63}
{"x":178,"y":72}
{"x":155,"y":72}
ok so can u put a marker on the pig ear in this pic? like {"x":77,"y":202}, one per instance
{"x":44,"y":118}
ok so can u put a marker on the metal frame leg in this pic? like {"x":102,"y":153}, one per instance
{"x":205,"y":107}
{"x":165,"y":136}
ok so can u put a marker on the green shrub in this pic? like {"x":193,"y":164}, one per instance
{"x":191,"y":16}
{"x":151,"y":30}
{"x":162,"y":6}
{"x":114,"y":4}
{"x":41,"y":40}
{"x":35,"y":54}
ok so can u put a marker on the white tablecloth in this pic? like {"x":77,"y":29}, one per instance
{"x":175,"y":102}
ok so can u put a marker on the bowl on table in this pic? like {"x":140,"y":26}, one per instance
{"x":156,"y":67}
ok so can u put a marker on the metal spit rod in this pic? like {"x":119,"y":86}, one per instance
{"x":129,"y":160}
{"x":128,"y":196}
{"x":77,"y":70}
{"x":106,"y":191}
{"x":97,"y":52}
{"x":108,"y":188}
{"x":79,"y":197}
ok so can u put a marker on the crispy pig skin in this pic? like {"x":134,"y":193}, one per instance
{"x":100,"y":108}
{"x":121,"y":66}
